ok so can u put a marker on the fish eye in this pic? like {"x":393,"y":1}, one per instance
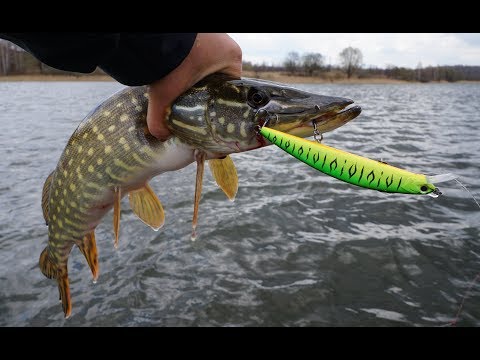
{"x":424,"y":188}
{"x":257,"y":98}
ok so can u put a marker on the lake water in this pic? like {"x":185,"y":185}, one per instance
{"x":296,"y":248}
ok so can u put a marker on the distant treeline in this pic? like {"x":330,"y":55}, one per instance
{"x":15,"y":61}
{"x":430,"y":73}
{"x":312,"y":64}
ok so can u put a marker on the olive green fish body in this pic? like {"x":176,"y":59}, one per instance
{"x":351,"y":168}
{"x":108,"y":150}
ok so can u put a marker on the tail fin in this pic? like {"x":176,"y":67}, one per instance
{"x":64,"y":290}
{"x":52,"y":271}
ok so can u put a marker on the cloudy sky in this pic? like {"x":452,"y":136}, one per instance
{"x":378,"y":49}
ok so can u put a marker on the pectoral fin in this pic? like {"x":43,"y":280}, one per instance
{"x":147,"y":207}
{"x":225,"y":174}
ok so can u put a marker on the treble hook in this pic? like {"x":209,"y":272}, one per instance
{"x":316,"y":132}
{"x":267,"y":120}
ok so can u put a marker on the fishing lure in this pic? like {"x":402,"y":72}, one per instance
{"x":351,"y":168}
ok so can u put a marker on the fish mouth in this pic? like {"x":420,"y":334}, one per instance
{"x":296,"y":116}
{"x":325,"y":121}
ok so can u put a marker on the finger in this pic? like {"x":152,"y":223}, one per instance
{"x":157,"y":112}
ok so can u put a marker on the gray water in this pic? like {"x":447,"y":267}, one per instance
{"x":296,"y":247}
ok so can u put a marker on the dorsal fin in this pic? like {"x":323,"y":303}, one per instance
{"x":225,"y":174}
{"x":46,"y":196}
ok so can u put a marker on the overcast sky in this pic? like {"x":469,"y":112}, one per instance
{"x":378,"y":49}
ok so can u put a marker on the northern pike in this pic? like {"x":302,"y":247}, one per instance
{"x":112,"y":154}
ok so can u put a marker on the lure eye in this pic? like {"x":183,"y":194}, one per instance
{"x":424,"y":188}
{"x":257,"y":98}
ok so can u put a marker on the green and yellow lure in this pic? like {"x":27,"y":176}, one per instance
{"x":351,"y":168}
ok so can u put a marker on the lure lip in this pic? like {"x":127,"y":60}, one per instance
{"x":435,"y":179}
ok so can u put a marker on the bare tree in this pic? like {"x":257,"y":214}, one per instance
{"x":351,"y":59}
{"x":4,"y":57}
{"x":312,"y":62}
{"x":292,"y":62}
{"x":419,"y":71}
{"x":11,"y":59}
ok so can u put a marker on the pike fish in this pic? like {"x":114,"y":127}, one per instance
{"x":112,"y":154}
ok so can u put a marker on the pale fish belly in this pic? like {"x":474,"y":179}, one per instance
{"x":173,"y":156}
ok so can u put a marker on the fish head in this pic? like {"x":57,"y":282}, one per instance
{"x":221,"y":114}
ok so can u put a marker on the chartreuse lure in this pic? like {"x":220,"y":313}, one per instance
{"x":351,"y":168}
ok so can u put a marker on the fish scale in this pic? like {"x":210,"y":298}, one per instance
{"x":112,"y":154}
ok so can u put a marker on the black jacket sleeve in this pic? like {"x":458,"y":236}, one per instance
{"x":130,"y":58}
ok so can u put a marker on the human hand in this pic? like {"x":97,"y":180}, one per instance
{"x":210,"y":53}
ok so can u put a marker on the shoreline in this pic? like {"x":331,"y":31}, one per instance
{"x":335,"y":79}
{"x":47,"y":78}
{"x":296,"y":79}
{"x":272,"y":76}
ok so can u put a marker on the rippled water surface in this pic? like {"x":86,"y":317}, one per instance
{"x":296,"y":248}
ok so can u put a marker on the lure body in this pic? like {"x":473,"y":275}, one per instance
{"x":348,"y":167}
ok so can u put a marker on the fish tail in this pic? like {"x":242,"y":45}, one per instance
{"x":52,"y":271}
{"x":64,"y":291}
